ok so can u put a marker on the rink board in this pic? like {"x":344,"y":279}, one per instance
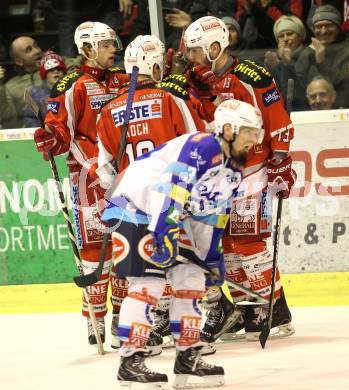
{"x":320,"y":289}
{"x":34,"y":244}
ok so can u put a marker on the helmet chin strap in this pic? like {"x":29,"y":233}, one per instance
{"x":94,"y":60}
{"x":213,"y":62}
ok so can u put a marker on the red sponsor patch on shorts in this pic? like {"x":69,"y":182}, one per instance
{"x":190,"y":330}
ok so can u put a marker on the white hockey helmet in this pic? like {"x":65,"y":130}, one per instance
{"x":238,"y":114}
{"x":205,"y":31}
{"x":145,"y":51}
{"x":93,"y":33}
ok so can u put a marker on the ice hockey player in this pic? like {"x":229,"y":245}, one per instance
{"x":70,"y":126}
{"x":187,"y":182}
{"x":156,"y":117}
{"x":247,"y":259}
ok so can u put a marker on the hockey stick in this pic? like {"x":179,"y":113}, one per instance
{"x":267,"y":325}
{"x":260,"y":299}
{"x":36,"y":110}
{"x":88,"y":280}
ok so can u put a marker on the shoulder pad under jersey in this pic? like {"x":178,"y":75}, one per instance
{"x":63,"y":84}
{"x":251,"y":73}
{"x":176,"y":84}
{"x":116,"y":69}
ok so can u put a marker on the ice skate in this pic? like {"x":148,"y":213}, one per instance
{"x":281,"y":324}
{"x":189,"y":367}
{"x":219,"y":319}
{"x":208,"y":349}
{"x":115,"y":340}
{"x":237,"y":331}
{"x":133,"y":370}
{"x":101,"y":329}
{"x":160,"y":336}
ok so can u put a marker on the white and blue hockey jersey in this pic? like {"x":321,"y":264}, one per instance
{"x":186,"y":178}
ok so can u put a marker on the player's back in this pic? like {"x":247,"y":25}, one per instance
{"x":253,"y":84}
{"x":155,"y":118}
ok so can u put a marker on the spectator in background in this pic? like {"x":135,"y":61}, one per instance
{"x":257,"y":17}
{"x":218,"y":8}
{"x":289,"y":33}
{"x":237,"y":45}
{"x":71,"y":13}
{"x":328,"y":53}
{"x":184,"y":13}
{"x":26,"y":55}
{"x":172,"y":32}
{"x":52,"y":68}
{"x":321,"y":94}
{"x":234,"y":34}
{"x":311,"y":5}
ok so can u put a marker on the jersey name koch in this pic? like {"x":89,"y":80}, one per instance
{"x":151,"y":109}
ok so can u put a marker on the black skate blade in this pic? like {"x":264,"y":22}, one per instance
{"x":85,"y":280}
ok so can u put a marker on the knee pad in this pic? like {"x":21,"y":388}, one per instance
{"x":147,"y":288}
{"x":187,"y":278}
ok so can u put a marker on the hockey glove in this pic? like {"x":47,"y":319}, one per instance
{"x":216,"y":278}
{"x":165,"y":247}
{"x":49,"y":140}
{"x":281,"y":177}
{"x":202,"y":80}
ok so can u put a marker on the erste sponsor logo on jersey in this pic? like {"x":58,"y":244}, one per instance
{"x":271,"y":96}
{"x":53,"y":106}
{"x":151,"y":109}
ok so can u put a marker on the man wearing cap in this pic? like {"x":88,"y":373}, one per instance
{"x":234,"y":32}
{"x":289,"y":32}
{"x":328,"y":53}
{"x":257,"y":17}
{"x":52,"y":68}
{"x":26,"y":56}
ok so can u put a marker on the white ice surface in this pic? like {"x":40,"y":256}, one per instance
{"x":50,"y":352}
